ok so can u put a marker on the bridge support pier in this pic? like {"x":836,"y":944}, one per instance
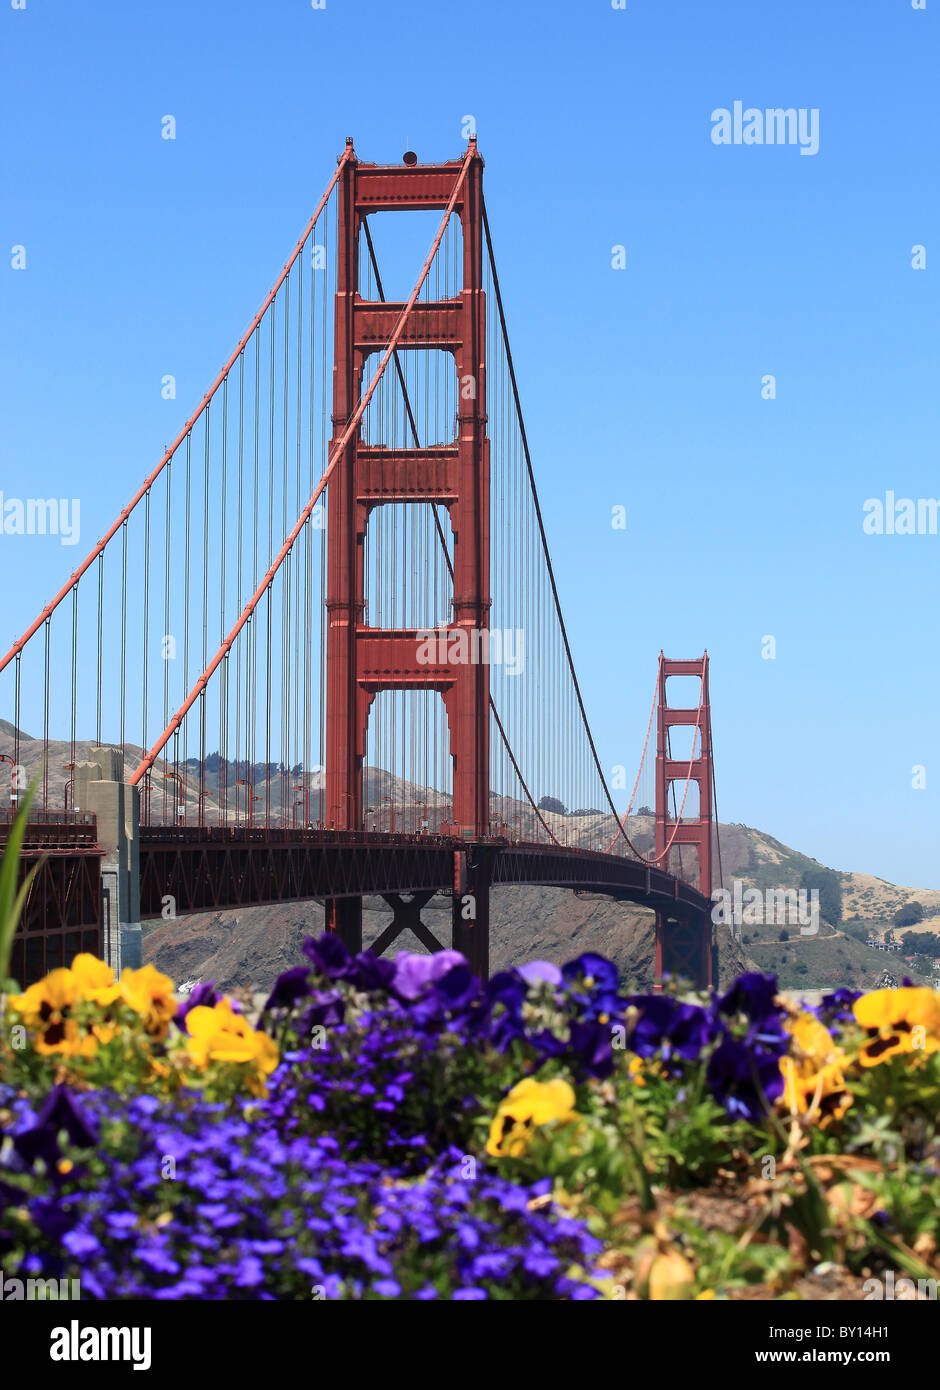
{"x":683,"y":948}
{"x":343,"y":917}
{"x":470,"y":913}
{"x":116,"y":806}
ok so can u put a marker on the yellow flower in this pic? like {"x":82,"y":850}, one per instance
{"x":898,"y":1021}
{"x":94,"y":980}
{"x":639,"y":1068}
{"x":46,"y":1008}
{"x":813,"y":1073}
{"x":812,"y":1041}
{"x":822,"y":1092}
{"x":671,"y":1277}
{"x":67,"y":1039}
{"x":49,"y":998}
{"x":219,"y":1034}
{"x":529,"y":1104}
{"x":149,"y":994}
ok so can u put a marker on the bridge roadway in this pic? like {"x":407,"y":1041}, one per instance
{"x":186,"y":869}
{"x":216,"y":867}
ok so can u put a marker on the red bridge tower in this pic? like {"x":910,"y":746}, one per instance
{"x":684,"y":941}
{"x":363,"y":660}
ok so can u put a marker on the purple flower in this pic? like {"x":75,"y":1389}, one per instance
{"x":289,"y":986}
{"x":751,"y":994}
{"x":60,"y":1112}
{"x":837,"y":1007}
{"x":414,"y":973}
{"x":81,"y":1243}
{"x":745,"y":1079}
{"x":591,"y":1045}
{"x":203,"y":994}
{"x":327,"y":1010}
{"x":387,"y":1288}
{"x":373,"y":972}
{"x":330,"y":956}
{"x":458,"y":988}
{"x":592,"y":971}
{"x":535,"y":970}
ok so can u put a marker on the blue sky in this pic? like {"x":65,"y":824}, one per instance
{"x":641,"y":386}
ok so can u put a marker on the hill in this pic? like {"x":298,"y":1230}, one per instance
{"x":251,"y":946}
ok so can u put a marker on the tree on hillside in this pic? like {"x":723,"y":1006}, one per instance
{"x":828,"y":885}
{"x":909,"y":915}
{"x":551,"y":803}
{"x":925,"y":943}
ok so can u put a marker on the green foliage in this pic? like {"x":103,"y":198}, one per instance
{"x":829,"y":887}
{"x":909,"y":915}
{"x":925,"y":943}
{"x":13,"y":900}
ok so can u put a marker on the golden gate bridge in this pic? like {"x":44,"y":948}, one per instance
{"x":326,"y":637}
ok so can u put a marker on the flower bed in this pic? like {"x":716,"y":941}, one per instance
{"x":395,"y":1129}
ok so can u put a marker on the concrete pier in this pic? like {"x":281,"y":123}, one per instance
{"x":99,"y":789}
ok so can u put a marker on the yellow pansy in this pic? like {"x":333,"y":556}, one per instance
{"x":529,"y":1104}
{"x":149,"y":994}
{"x":46,"y":1008}
{"x":49,"y":998}
{"x":219,"y":1034}
{"x":66,"y":1038}
{"x":811,"y":1040}
{"x":898,"y":1021}
{"x":94,"y":980}
{"x":823,"y":1091}
{"x":813,"y":1075}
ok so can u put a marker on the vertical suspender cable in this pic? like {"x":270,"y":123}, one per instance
{"x":123,"y":639}
{"x":166,"y":621}
{"x":223,"y":674}
{"x":45,"y":722}
{"x":189,"y":450}
{"x":100,"y":647}
{"x":146,"y":633}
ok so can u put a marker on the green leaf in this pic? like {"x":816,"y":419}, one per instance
{"x":12,"y":901}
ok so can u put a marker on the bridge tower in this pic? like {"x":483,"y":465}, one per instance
{"x":683,"y":940}
{"x":363,"y":660}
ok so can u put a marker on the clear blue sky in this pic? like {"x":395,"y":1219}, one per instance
{"x":641,"y":387}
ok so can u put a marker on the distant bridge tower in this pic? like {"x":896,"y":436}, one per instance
{"x":683,"y":939}
{"x":363,"y":660}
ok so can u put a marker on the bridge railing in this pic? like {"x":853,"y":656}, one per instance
{"x":52,"y":828}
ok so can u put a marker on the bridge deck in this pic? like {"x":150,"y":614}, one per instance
{"x":214,"y":867}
